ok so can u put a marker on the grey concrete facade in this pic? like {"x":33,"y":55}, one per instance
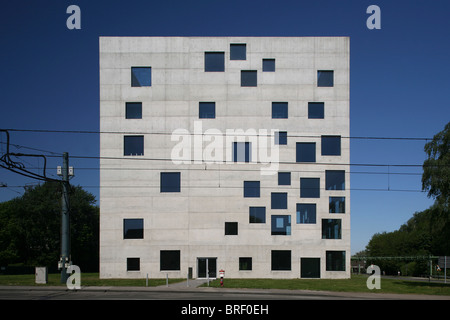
{"x":181,"y":228}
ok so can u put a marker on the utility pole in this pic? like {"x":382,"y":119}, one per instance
{"x":65,"y":223}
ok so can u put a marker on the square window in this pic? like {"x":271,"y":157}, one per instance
{"x":269,"y":65}
{"x":281,"y":225}
{"x":281,"y":260}
{"x":331,"y":145}
{"x":251,"y":189}
{"x":306,"y":213}
{"x":337,"y":205}
{"x":238,"y":51}
{"x":207,"y":110}
{"x":331,"y":228}
{"x":242,"y":152}
{"x":310,"y":267}
{"x":133,"y":145}
{"x":279,"y":110}
{"x":309,"y":188}
{"x":133,"y":264}
{"x":257,"y":215}
{"x":214,"y":61}
{"x":231,"y":228}
{"x":316,"y":110}
{"x":133,"y":228}
{"x":335,"y":260}
{"x":325,"y":78}
{"x":245,"y":263}
{"x":306,"y":152}
{"x":284,"y":178}
{"x":170,"y":182}
{"x":279,"y":200}
{"x":169,"y":260}
{"x":133,"y":110}
{"x":281,"y":137}
{"x":249,"y":78}
{"x":141,"y":76}
{"x":334,"y":180}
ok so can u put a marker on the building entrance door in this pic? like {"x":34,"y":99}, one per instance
{"x":206,"y":268}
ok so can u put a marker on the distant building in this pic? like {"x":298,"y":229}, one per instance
{"x":224,"y":153}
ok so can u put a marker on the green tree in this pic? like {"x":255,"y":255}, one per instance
{"x":436,"y":169}
{"x":30,"y":227}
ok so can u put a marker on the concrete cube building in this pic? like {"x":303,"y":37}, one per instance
{"x":224,"y":153}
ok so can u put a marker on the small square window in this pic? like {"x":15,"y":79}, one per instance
{"x":279,"y":200}
{"x":325,"y":78}
{"x":141,"y":76}
{"x":281,"y":225}
{"x":309,"y":188}
{"x":245,"y":263}
{"x":133,"y":110}
{"x":310,"y":268}
{"x":231,"y":228}
{"x":334,"y":180}
{"x":284,"y":178}
{"x":279,"y":110}
{"x":133,"y":264}
{"x":331,"y":228}
{"x":331,"y":145}
{"x":133,"y":145}
{"x":257,"y":215}
{"x":238,"y":51}
{"x":251,"y":189}
{"x":306,"y":213}
{"x":242,"y":152}
{"x":207,"y":110}
{"x":214,"y":61}
{"x":306,"y":152}
{"x":169,"y":260}
{"x":335,"y":260}
{"x":281,"y":137}
{"x":269,"y":65}
{"x":337,"y":205}
{"x":170,"y":182}
{"x":249,"y":78}
{"x":316,"y":110}
{"x":281,"y":260}
{"x":133,"y":228}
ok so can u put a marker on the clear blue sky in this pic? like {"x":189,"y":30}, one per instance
{"x":399,"y":75}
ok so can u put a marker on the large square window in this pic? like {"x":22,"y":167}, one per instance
{"x":141,"y":76}
{"x":214,"y":61}
{"x":337,"y":205}
{"x":249,"y":78}
{"x":133,"y":145}
{"x":238,"y":51}
{"x":279,"y":110}
{"x":170,"y":182}
{"x":284,"y":178}
{"x":257,"y":215}
{"x":251,"y":189}
{"x":279,"y":200}
{"x":281,"y":138}
{"x":306,"y":213}
{"x":309,"y":187}
{"x":269,"y":65}
{"x":310,"y":268}
{"x":331,"y":229}
{"x":331,"y":145}
{"x":245,"y":263}
{"x":306,"y":152}
{"x":242,"y":152}
{"x":281,"y":225}
{"x":316,"y":110}
{"x":133,"y":110}
{"x":334,"y":180}
{"x":133,"y":264}
{"x":231,"y":228}
{"x":281,"y":260}
{"x":207,"y":110}
{"x":169,"y":260}
{"x":325,"y":78}
{"x":133,"y":228}
{"x":335,"y":260}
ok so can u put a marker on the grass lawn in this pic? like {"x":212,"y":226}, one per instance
{"x":357,"y":283}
